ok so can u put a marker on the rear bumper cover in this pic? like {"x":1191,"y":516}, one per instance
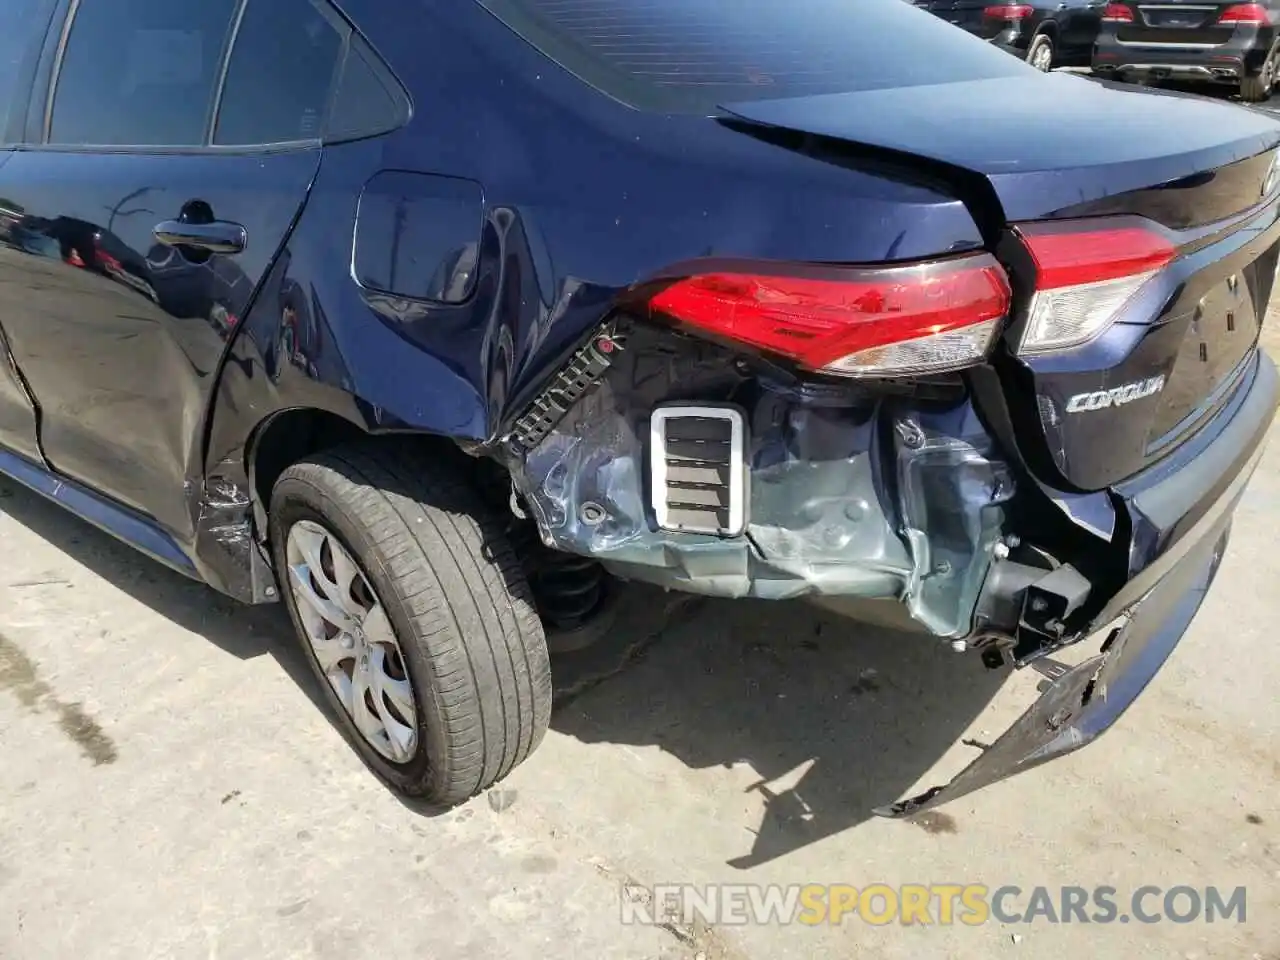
{"x":849,"y":493}
{"x":1225,"y":62}
{"x":1182,"y":516}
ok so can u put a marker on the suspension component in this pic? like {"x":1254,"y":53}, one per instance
{"x":568,"y":589}
{"x":573,"y":594}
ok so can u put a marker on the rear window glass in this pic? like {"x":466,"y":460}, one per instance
{"x":692,"y":55}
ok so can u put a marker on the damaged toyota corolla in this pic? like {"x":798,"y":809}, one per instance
{"x":472,"y":310}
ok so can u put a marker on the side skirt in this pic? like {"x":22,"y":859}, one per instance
{"x":121,"y":522}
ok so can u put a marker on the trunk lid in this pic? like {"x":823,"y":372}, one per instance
{"x":1176,"y":21}
{"x":1044,"y":141}
{"x":1197,"y":167}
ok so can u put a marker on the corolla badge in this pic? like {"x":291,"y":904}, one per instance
{"x":1115,"y":397}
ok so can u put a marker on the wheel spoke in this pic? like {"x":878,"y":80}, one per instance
{"x":399,"y":693}
{"x":369,"y":724}
{"x":311,"y":544}
{"x":343,"y":687}
{"x":374,"y":690}
{"x":345,"y":575}
{"x":300,"y":576}
{"x":331,"y":651}
{"x":400,"y":735}
{"x":376,"y":626}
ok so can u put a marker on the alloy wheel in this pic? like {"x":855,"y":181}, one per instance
{"x":352,"y":640}
{"x":1043,"y":59}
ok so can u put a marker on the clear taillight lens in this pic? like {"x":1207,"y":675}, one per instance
{"x":887,"y":321}
{"x":1086,"y":271}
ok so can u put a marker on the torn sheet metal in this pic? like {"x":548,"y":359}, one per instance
{"x":1087,"y":700}
{"x":851,"y":492}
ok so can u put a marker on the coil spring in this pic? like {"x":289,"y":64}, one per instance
{"x":568,"y":588}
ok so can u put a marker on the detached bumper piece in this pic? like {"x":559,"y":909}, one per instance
{"x":1088,"y":699}
{"x":1185,"y":514}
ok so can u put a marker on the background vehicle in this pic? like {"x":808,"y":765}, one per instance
{"x":1218,"y":43}
{"x":529,"y":296}
{"x":1045,"y":33}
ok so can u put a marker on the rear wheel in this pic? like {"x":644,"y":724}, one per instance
{"x":1257,"y":88}
{"x":414,"y":615}
{"x":1040,"y":53}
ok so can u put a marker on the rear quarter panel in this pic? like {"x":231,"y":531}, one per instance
{"x":581,"y":198}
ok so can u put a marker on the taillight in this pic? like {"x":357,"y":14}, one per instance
{"x":859,"y":322}
{"x":1086,"y":271}
{"x":1008,"y":11}
{"x":1117,"y":13}
{"x":1254,"y":13}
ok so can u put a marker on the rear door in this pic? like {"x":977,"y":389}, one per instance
{"x":25,"y":23}
{"x":178,"y":147}
{"x":966,"y":14}
{"x":1081,"y":19}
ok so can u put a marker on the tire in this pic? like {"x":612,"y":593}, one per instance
{"x":1041,"y":52}
{"x":1257,"y":88}
{"x":464,"y":630}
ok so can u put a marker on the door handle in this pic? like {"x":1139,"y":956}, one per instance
{"x":217,"y":237}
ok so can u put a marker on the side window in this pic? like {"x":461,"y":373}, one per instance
{"x":369,"y":101}
{"x":282,"y":73}
{"x":140,"y":72}
{"x":25,"y":19}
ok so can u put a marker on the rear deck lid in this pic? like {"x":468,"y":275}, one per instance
{"x":1196,"y":171}
{"x":1178,"y":21}
{"x":1044,"y":141}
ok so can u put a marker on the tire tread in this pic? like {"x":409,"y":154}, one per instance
{"x":461,"y":586}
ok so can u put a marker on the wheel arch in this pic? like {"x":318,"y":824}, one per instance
{"x":232,"y":526}
{"x":290,"y":435}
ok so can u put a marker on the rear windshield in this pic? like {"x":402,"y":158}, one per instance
{"x":692,"y":55}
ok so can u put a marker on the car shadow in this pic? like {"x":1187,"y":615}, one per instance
{"x":245,"y":632}
{"x":864,"y":711}
{"x":714,"y":683}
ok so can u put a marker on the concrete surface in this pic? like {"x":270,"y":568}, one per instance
{"x":169,"y":789}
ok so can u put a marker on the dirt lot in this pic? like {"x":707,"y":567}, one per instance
{"x":168,"y":789}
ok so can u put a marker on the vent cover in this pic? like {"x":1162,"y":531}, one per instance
{"x":698,"y":471}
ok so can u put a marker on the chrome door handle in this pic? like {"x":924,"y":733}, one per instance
{"x":217,"y":237}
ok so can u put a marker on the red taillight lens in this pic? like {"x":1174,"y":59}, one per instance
{"x":1254,"y":13}
{"x":876,"y":321}
{"x":1008,"y":11}
{"x":1072,"y":253}
{"x":1117,"y":13}
{"x":1086,"y":271}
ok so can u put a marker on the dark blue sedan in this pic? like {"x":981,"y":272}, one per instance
{"x":439,"y":319}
